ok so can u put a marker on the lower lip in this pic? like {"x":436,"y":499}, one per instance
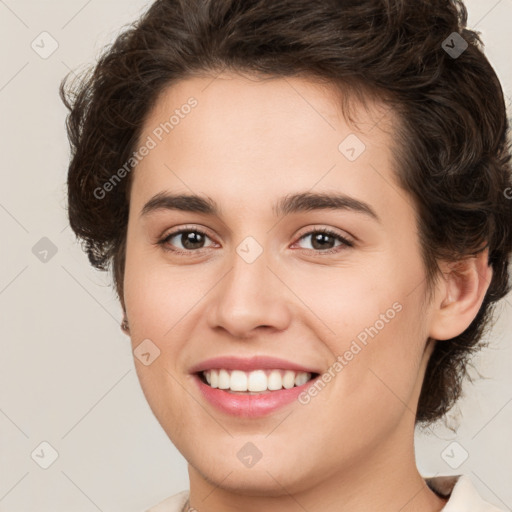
{"x":250,"y":406}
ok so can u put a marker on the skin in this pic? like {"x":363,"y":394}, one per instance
{"x":247,"y":144}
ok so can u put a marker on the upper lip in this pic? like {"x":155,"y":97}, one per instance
{"x":247,"y":364}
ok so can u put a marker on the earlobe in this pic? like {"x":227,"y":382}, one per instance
{"x":124,"y":325}
{"x":461,"y":293}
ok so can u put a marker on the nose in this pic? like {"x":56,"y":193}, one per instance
{"x":250,"y":297}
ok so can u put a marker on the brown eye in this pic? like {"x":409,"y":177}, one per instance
{"x":185,"y":240}
{"x":324,"y":240}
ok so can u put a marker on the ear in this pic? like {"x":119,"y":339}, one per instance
{"x":459,"y":295}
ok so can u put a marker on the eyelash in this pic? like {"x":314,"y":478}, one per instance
{"x":164,"y":242}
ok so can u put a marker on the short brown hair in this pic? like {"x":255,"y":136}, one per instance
{"x":453,"y":153}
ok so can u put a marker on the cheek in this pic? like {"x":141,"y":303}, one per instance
{"x":156,"y":302}
{"x":158,"y":296}
{"x":375,"y":376}
{"x":374,"y":326}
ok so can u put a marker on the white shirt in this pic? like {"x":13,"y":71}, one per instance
{"x":463,"y":496}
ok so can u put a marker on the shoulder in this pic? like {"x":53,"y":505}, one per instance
{"x":174,"y":503}
{"x":461,"y":494}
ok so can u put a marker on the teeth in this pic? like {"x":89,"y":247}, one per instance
{"x":224,"y":380}
{"x":301,"y":378}
{"x":288,"y":379}
{"x":274,"y":380}
{"x":255,"y":381}
{"x":214,"y":379}
{"x":238,"y":381}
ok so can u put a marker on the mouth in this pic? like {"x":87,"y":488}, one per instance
{"x":252,"y":394}
{"x":255,"y":382}
{"x":252,"y":387}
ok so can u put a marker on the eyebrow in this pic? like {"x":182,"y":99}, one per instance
{"x":290,"y":204}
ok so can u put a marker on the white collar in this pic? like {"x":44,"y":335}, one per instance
{"x":461,"y":493}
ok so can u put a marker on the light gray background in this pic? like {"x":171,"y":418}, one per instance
{"x":66,"y":369}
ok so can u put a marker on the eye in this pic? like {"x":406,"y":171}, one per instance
{"x":191,"y":240}
{"x":322,"y":241}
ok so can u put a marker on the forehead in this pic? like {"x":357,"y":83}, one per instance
{"x":260,"y":106}
{"x":244,"y":140}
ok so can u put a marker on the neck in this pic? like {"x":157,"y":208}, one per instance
{"x":383,"y":478}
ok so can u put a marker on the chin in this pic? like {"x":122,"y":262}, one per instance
{"x":265,"y":481}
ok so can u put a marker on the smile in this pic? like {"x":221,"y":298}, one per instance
{"x":251,"y":387}
{"x":256,"y":381}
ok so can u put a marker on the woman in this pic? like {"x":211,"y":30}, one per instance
{"x":304,"y":205}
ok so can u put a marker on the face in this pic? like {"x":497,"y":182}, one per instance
{"x":299,"y":259}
